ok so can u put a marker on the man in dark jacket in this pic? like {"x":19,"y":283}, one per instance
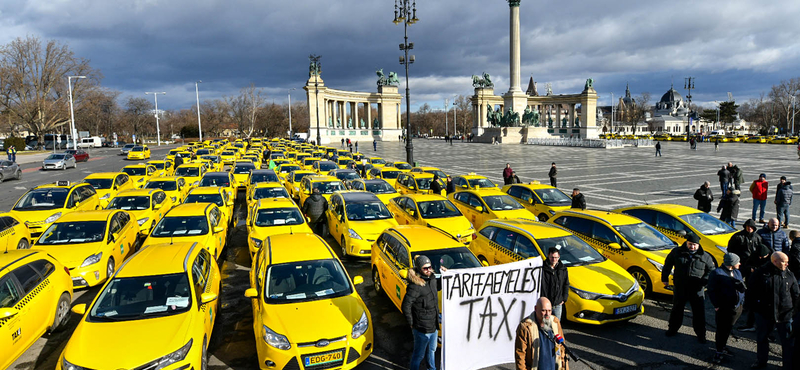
{"x":773,"y":294}
{"x":747,"y":244}
{"x":692,"y":267}
{"x":436,"y":187}
{"x":555,"y":281}
{"x":450,"y":186}
{"x":783,"y":199}
{"x":507,"y":174}
{"x":724,"y":179}
{"x":553,"y":174}
{"x":315,"y":207}
{"x":726,"y":292}
{"x":578,"y":200}
{"x":773,"y":237}
{"x":794,"y":253}
{"x":658,"y":148}
{"x":704,"y":197}
{"x":178,"y":161}
{"x":421,"y":309}
{"x":729,"y":207}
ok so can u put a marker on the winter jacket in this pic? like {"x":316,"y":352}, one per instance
{"x":724,"y":290}
{"x":759,"y":189}
{"x":315,"y":207}
{"x":691,"y":269}
{"x":749,"y":247}
{"x":783,"y":195}
{"x":738,"y":176}
{"x":450,"y":188}
{"x":579,"y":201}
{"x":555,"y":283}
{"x":658,"y":145}
{"x":527,"y":345}
{"x":515,"y":180}
{"x":772,"y":293}
{"x":178,"y":162}
{"x":776,"y":241}
{"x":553,"y":172}
{"x":794,"y":257}
{"x":507,"y":173}
{"x":729,"y":205}
{"x":436,"y":187}
{"x":724,"y":175}
{"x":704,"y":198}
{"x":421,"y":302}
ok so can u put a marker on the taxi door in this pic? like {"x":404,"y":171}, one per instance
{"x":34,"y":305}
{"x":215,"y":218}
{"x":12,"y":341}
{"x":122,"y":182}
{"x":393,"y":284}
{"x":161,"y":201}
{"x":401,"y":184}
{"x":305,"y":189}
{"x":116,"y":241}
{"x":202,"y":280}
{"x":335,"y":215}
{"x":403,"y":217}
{"x":129,"y":231}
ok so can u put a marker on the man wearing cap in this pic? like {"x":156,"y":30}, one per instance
{"x":726,"y":292}
{"x":692,"y":267}
{"x":421,"y":309}
{"x":578,"y":200}
{"x":759,"y":190}
{"x":783,"y":199}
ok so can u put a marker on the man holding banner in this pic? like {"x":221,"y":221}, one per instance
{"x":536,"y":343}
{"x":421,"y":308}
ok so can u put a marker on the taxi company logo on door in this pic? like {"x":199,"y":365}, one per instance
{"x":15,"y":335}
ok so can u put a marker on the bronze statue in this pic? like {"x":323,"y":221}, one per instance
{"x":376,"y":124}
{"x":589,"y":84}
{"x":381,"y":77}
{"x":392,"y":79}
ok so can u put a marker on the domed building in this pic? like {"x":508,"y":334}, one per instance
{"x":671,"y":104}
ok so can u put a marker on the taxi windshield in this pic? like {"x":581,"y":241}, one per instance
{"x":276,"y":192}
{"x":216,"y":180}
{"x":327,"y":166}
{"x":287,"y":169}
{"x":135,"y":171}
{"x":483,"y":183}
{"x":345,"y":160}
{"x":211,"y":158}
{"x":574,"y":251}
{"x":437,"y":173}
{"x":203,"y":152}
{"x":309,"y":161}
{"x":158,"y":165}
{"x":643,"y":236}
{"x":706,"y":224}
{"x":501,"y":203}
{"x":100,"y":183}
{"x":380,"y":188}
{"x":140,"y":297}
{"x":242,"y":169}
{"x":171,"y":152}
{"x":73,"y":233}
{"x":204,"y":198}
{"x":367,"y":211}
{"x":328,"y":187}
{"x":306,"y":281}
{"x":299,"y":176}
{"x":228,"y":153}
{"x":349,"y":175}
{"x":402,"y":166}
{"x":136,"y":203}
{"x":390,"y":174}
{"x":279,"y":217}
{"x":163,"y":185}
{"x":452,"y":258}
{"x":377,"y":161}
{"x":553,"y":196}
{"x":39,"y":199}
{"x":263,"y":177}
{"x":181,"y":226}
{"x":424,"y":183}
{"x":438,"y":209}
{"x":137,"y":149}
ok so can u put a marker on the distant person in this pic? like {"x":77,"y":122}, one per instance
{"x":726,"y":293}
{"x":773,"y":237}
{"x":421,"y":309}
{"x":716,"y":145}
{"x":555,"y":281}
{"x":783,"y":199}
{"x":692,"y":267}
{"x":553,"y":174}
{"x":532,"y":349}
{"x":578,"y":200}
{"x":342,"y":143}
{"x":374,"y":145}
{"x":658,"y":148}
{"x":356,"y":146}
{"x":450,"y":187}
{"x":315,"y":207}
{"x":729,"y":207}
{"x":9,"y":151}
{"x":514,"y":178}
{"x":724,"y":179}
{"x":704,"y":197}
{"x":759,"y":190}
{"x":178,"y":161}
{"x":507,"y":174}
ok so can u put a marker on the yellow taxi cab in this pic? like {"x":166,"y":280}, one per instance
{"x":241,"y":173}
{"x":167,"y":288}
{"x":344,"y":162}
{"x":228,"y":156}
{"x":756,"y":139}
{"x":327,"y":185}
{"x":285,"y":169}
{"x":600,"y":290}
{"x":224,"y":180}
{"x":355,"y":219}
{"x":472,"y":181}
{"x":214,"y":195}
{"x":139,"y":153}
{"x":662,"y":137}
{"x":781,"y":140}
{"x":266,"y":190}
{"x":386,"y":173}
{"x":631,"y":137}
{"x":341,"y":153}
{"x":214,"y":161}
{"x":632,"y":244}
{"x":295,"y":277}
{"x":108,"y":184}
{"x":376,"y":161}
{"x":253,"y":158}
{"x":172,"y":153}
{"x":293,"y":180}
{"x":402,"y":166}
{"x":13,"y":233}
{"x":91,"y":244}
{"x":541,"y":200}
{"x":415,"y":183}
{"x":44,"y":204}
{"x":139,"y":173}
{"x":380,"y":187}
{"x":175,"y":188}
{"x":479,"y":206}
{"x":268,"y":217}
{"x":345,"y":175}
{"x":203,"y":223}
{"x":301,"y":157}
{"x":308,"y":163}
{"x":259,"y":176}
{"x":433,"y":211}
{"x":35,"y":294}
{"x":323,"y":167}
{"x":192,"y":173}
{"x":163,"y":167}
{"x":720,"y":138}
{"x":146,"y":205}
{"x":434,"y":171}
{"x":676,"y":221}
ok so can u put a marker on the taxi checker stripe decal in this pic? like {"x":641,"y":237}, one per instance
{"x":24,"y":301}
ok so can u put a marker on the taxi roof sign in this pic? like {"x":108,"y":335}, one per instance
{"x":62,"y":183}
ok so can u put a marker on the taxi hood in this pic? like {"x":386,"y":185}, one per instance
{"x":605,"y":277}
{"x":308,"y":322}
{"x":721,"y":239}
{"x":459,"y":225}
{"x":372,"y":228}
{"x":71,"y":255}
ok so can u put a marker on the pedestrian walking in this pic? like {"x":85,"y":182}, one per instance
{"x":783,"y":199}
{"x":13,"y":156}
{"x":421,"y":309}
{"x":773,"y":294}
{"x":553,"y":174}
{"x":374,"y":145}
{"x":356,"y":146}
{"x":450,"y":187}
{"x":8,"y":152}
{"x":724,"y":179}
{"x":531,"y":348}
{"x":436,"y":186}
{"x":773,"y":237}
{"x":726,"y":293}
{"x":704,"y":197}
{"x":514,"y":178}
{"x":716,"y":145}
{"x":729,"y":207}
{"x":759,"y":190}
{"x":578,"y":200}
{"x":798,"y":150}
{"x":315,"y":207}
{"x":658,"y":148}
{"x":555,"y":281}
{"x":507,"y":174}
{"x":692,"y":267}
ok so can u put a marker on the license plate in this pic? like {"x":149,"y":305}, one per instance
{"x":322,"y":358}
{"x":626,"y":309}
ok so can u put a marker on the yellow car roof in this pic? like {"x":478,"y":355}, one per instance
{"x":537,"y":230}
{"x":485,"y":192}
{"x":164,"y":178}
{"x":427,"y":168}
{"x":424,"y":197}
{"x":136,"y":192}
{"x":610,"y":218}
{"x":8,"y":258}
{"x":532,"y":185}
{"x":671,"y":209}
{"x":322,"y":178}
{"x":423,"y":238}
{"x":100,"y":215}
{"x":268,"y":185}
{"x":207,"y":190}
{"x":189,"y":209}
{"x":56,"y":186}
{"x":285,"y":248}
{"x":302,"y":171}
{"x":158,"y":259}
{"x":140,"y":165}
{"x":390,"y":169}
{"x":103,"y":175}
{"x":156,"y":161}
{"x":473,"y":176}
{"x":419,"y":175}
{"x":192,"y":165}
{"x":275,"y":203}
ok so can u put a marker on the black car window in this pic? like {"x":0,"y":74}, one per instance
{"x":604,"y":234}
{"x":488,"y":232}
{"x":9,"y":293}
{"x":645,"y":215}
{"x":28,"y":278}
{"x":4,"y":223}
{"x":525,"y":248}
{"x":505,"y":238}
{"x":44,"y":267}
{"x":576,"y":224}
{"x":474,"y":201}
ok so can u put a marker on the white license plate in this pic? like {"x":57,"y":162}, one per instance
{"x":626,"y":309}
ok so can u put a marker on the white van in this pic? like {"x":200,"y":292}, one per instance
{"x":91,"y":142}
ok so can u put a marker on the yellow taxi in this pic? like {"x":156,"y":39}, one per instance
{"x":192,"y":173}
{"x":541,"y":200}
{"x":376,"y":161}
{"x":91,"y":244}
{"x":630,"y":243}
{"x":781,"y":140}
{"x":600,"y":290}
{"x":472,"y":181}
{"x":146,"y":205}
{"x":720,"y":138}
{"x":241,"y":173}
{"x":323,"y":167}
{"x":380,"y":187}
{"x":344,"y":162}
{"x":167,"y":288}
{"x":676,"y":221}
{"x":293,"y":180}
{"x":285,"y":169}
{"x":35,"y":294}
{"x":341,"y":153}
{"x":214,"y":162}
{"x":756,"y":139}
{"x":172,"y":153}
{"x":327,"y":185}
{"x":345,"y":175}
{"x":308,"y":163}
{"x":259,"y":176}
{"x":224,"y":180}
{"x":253,"y":158}
{"x":139,"y":153}
{"x":296,"y":278}
{"x":415,"y":183}
{"x":228,"y":156}
{"x":139,"y":173}
{"x":662,"y":137}
{"x":203,"y":223}
{"x":176,"y":188}
{"x":479,"y":206}
{"x":387,"y":173}
{"x":433,"y":211}
{"x":434,"y":171}
{"x":355,"y":219}
{"x":402,"y":166}
{"x":214,"y":195}
{"x":44,"y":204}
{"x":13,"y":234}
{"x":163,"y":167}
{"x":108,"y":184}
{"x":273,"y":216}
{"x":301,"y":157}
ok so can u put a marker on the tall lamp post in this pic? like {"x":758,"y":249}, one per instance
{"x":290,"y":112}
{"x":405,"y":11}
{"x":612,"y":112}
{"x":72,"y":113}
{"x":793,"y":111}
{"x":317,"y":70}
{"x":455,"y":111}
{"x":688,"y":84}
{"x":197,"y":94}
{"x":158,"y":128}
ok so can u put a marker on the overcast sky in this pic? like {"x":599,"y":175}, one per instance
{"x":742,"y":47}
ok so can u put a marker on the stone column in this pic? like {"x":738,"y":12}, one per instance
{"x":369,"y":116}
{"x":558,"y":114}
{"x":571,"y":115}
{"x":354,"y":110}
{"x":514,"y":46}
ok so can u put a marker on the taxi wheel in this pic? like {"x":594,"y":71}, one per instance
{"x":344,"y":248}
{"x":376,"y":281}
{"x":542,"y":217}
{"x":23,"y":244}
{"x":110,"y":268}
{"x":62,"y":313}
{"x":643,"y":280}
{"x":204,"y":356}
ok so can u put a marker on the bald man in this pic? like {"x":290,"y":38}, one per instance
{"x":773,"y":295}
{"x":532,"y":348}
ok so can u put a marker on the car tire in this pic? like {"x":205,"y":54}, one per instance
{"x":61,"y":316}
{"x":19,"y":175}
{"x":110,"y":268}
{"x":23,"y":244}
{"x":643,"y":279}
{"x":344,"y":248}
{"x":204,"y":356}
{"x":64,"y":167}
{"x":1,"y":178}
{"x":542,"y":217}
{"x":376,"y":281}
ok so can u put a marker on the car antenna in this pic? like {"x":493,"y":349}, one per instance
{"x":290,"y":231}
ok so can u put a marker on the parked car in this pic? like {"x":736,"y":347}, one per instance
{"x":80,"y":155}
{"x":125,"y":149}
{"x":59,"y":161}
{"x":8,"y":170}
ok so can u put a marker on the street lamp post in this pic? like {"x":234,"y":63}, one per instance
{"x":689,"y":85}
{"x":317,"y":70}
{"x":793,"y":112}
{"x":158,"y":128}
{"x":455,"y":111}
{"x":613,"y":110}
{"x":446,"y":110}
{"x":72,"y":113}
{"x":405,"y":11}
{"x":290,"y":112}
{"x":197,"y":94}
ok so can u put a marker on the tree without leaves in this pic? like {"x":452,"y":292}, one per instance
{"x":781,"y":94}
{"x":244,"y":108}
{"x":137,"y":116}
{"x":638,"y":111}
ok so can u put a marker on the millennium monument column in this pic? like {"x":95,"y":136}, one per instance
{"x":515,"y":99}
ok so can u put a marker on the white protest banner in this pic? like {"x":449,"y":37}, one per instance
{"x":481,"y":308}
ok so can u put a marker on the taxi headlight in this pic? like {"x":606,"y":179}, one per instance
{"x":721,"y":248}
{"x":586,"y":294}
{"x":174,"y":199}
{"x":106,"y":196}
{"x":276,"y":340}
{"x":142,"y":221}
{"x":552,"y":212}
{"x":659,"y":266}
{"x":66,"y":365}
{"x":256,"y":242}
{"x":52,"y":218}
{"x":173,"y":357}
{"x":361,"y":326}
{"x":354,"y":234}
{"x":196,"y":183}
{"x":91,"y":260}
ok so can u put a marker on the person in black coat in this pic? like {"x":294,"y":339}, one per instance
{"x":553,"y":175}
{"x":421,"y":308}
{"x":450,"y":186}
{"x":726,"y":292}
{"x":555,"y":281}
{"x":704,"y":197}
{"x":794,"y":253}
{"x":578,"y":200}
{"x":436,"y":187}
{"x":178,"y":161}
{"x":315,"y":207}
{"x":692,"y":267}
{"x":729,"y":207}
{"x":724,"y":179}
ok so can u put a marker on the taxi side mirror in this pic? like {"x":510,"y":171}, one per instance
{"x":404,"y":273}
{"x":411,"y":187}
{"x":219,"y":229}
{"x":614,"y":246}
{"x":208,"y":297}
{"x":479,"y":209}
{"x":464,"y":186}
{"x":307,"y":191}
{"x":531,"y":201}
{"x":79,"y":309}
{"x":308,"y":220}
{"x":230,"y":203}
{"x":251,"y":293}
{"x":158,"y":206}
{"x":412,"y":213}
{"x":112,"y":238}
{"x":484,"y":263}
{"x":358,"y":280}
{"x":11,"y":312}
